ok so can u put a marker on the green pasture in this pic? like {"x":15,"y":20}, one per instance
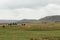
{"x":20,"y":33}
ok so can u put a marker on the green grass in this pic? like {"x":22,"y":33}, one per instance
{"x":18,"y":33}
{"x":43,"y":28}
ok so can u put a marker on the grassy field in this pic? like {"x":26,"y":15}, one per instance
{"x":36,"y":32}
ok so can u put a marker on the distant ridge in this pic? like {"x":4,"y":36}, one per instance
{"x":51,"y":18}
{"x":45,"y":19}
{"x":28,"y":20}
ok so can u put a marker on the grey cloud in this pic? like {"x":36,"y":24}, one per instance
{"x":30,"y":3}
{"x":27,"y":8}
{"x":23,"y":4}
{"x":13,"y":4}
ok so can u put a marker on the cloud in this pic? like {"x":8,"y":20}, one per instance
{"x":29,"y":3}
{"x":6,"y":14}
{"x":14,"y":4}
{"x":30,"y":9}
{"x":27,"y":13}
{"x":53,"y":9}
{"x":23,"y":13}
{"x":48,"y":10}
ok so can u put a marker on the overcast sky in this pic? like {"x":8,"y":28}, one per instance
{"x":28,"y":9}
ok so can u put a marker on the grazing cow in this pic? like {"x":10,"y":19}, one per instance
{"x":3,"y":26}
{"x":23,"y":24}
{"x":12,"y":24}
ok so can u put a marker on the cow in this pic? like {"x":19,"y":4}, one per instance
{"x":23,"y":24}
{"x":3,"y":26}
{"x":12,"y":24}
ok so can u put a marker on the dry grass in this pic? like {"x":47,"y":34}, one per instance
{"x":31,"y":31}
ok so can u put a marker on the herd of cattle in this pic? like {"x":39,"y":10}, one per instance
{"x":4,"y":25}
{"x":24,"y":24}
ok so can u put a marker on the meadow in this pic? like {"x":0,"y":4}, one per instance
{"x":32,"y":31}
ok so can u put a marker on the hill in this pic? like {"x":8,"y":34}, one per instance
{"x":27,"y":20}
{"x":51,"y":18}
{"x":45,"y":19}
